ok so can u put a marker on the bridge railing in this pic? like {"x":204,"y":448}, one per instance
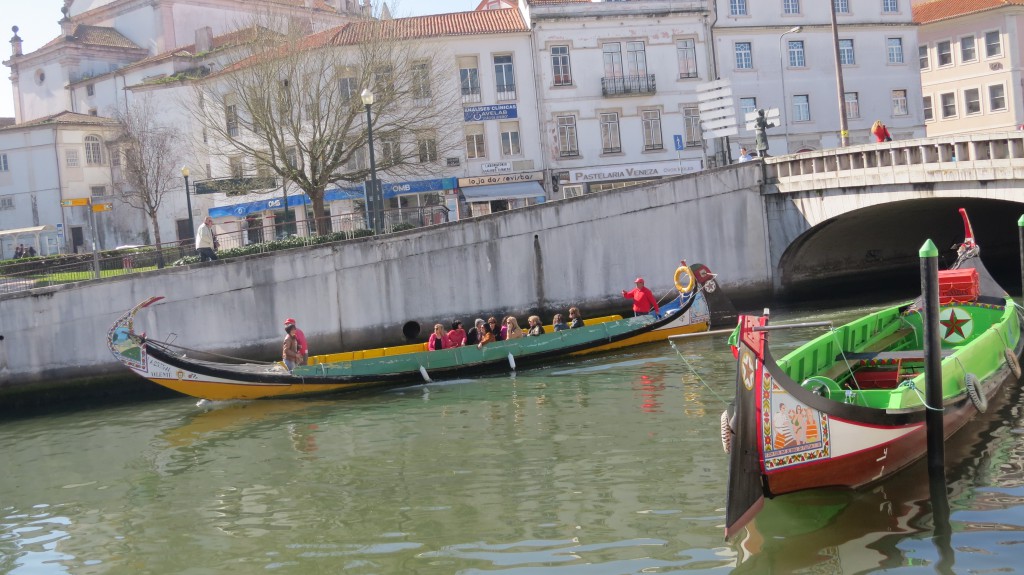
{"x":991,"y":156}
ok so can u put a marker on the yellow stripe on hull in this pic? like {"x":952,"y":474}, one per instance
{"x":219,"y":391}
{"x":658,"y":335}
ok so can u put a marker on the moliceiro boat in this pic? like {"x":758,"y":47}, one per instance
{"x":847,"y":409}
{"x":182,"y":370}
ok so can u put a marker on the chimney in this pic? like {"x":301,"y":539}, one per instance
{"x":65,"y":23}
{"x":204,"y":39}
{"x":15,"y":42}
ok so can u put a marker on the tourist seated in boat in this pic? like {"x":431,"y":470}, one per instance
{"x":457,"y":335}
{"x":512,"y":329}
{"x":438,"y":339}
{"x":487,"y":333}
{"x":474,"y":333}
{"x":496,"y":328}
{"x":558,"y":323}
{"x":575,"y":320}
{"x":536,"y":328}
{"x":290,"y":347}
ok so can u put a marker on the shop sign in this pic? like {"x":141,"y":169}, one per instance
{"x":634,"y":171}
{"x":496,"y":167}
{"x":495,"y":112}
{"x":505,"y":179}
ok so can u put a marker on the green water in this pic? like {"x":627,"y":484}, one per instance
{"x":603,"y":465}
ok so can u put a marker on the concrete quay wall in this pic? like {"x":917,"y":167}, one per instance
{"x":581,"y":251}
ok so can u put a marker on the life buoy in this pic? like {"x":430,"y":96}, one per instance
{"x":975,"y":392}
{"x":689,"y":279}
{"x":1012,"y":362}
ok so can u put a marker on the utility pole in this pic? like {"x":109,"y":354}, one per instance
{"x":844,"y":133}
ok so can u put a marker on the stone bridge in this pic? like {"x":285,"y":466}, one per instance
{"x":861,"y":212}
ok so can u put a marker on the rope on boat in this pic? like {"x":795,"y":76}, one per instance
{"x":909,"y":384}
{"x":699,"y":378}
{"x":842,"y":352}
{"x":209,"y":353}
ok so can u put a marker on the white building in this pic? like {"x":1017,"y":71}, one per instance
{"x":971,"y":68}
{"x":781,"y":54}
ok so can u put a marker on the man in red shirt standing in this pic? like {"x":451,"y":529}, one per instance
{"x":643,"y":298}
{"x":301,"y":338}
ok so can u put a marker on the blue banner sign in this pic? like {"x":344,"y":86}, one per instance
{"x":496,"y":112}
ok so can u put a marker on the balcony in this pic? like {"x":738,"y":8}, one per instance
{"x":628,"y":85}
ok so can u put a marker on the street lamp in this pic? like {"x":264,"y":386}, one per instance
{"x":188,"y":200}
{"x":844,"y":133}
{"x":782,"y":76}
{"x":377,"y":213}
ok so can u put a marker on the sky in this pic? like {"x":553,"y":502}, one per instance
{"x":37,"y":24}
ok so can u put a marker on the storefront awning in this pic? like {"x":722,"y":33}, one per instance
{"x":33,"y":231}
{"x":505,"y":192}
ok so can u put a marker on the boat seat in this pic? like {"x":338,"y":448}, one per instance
{"x":889,"y":357}
{"x":840,"y":368}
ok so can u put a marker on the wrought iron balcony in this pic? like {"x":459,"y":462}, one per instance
{"x":628,"y":85}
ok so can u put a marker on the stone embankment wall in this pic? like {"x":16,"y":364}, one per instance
{"x":363,"y":293}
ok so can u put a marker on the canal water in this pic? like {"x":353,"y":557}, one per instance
{"x":610,"y":464}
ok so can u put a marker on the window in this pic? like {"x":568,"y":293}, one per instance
{"x":691,"y":123}
{"x":510,"y":139}
{"x":90,"y":90}
{"x":890,"y":6}
{"x":390,"y":150}
{"x":948,"y":103}
{"x":348,"y":87}
{"x":98,"y":191}
{"x":231,"y":120}
{"x":993,"y":45}
{"x":747,"y":105}
{"x":796,"y":54}
{"x":899,"y":103}
{"x":686,"y":52}
{"x":469,"y":77}
{"x":972,"y":101}
{"x":263,"y":169}
{"x":610,"y":141}
{"x":928,"y":115}
{"x":652,"y":130}
{"x":357,"y":161}
{"x":71,"y":156}
{"x":611,"y":53}
{"x":567,"y":145}
{"x":744,"y":57}
{"x":384,"y":80}
{"x":291,"y":157}
{"x":504,"y":76}
{"x":944,"y":52}
{"x":475,"y":141}
{"x":560,"y":68}
{"x":801,"y":108}
{"x":968,"y":49}
{"x":790,"y":6}
{"x":737,"y":7}
{"x":3,"y":163}
{"x":996,"y":98}
{"x":93,"y":151}
{"x":922,"y":57}
{"x":6,"y":202}
{"x":235,"y":166}
{"x":846,"y":56}
{"x":636,"y":58}
{"x":852,"y":104}
{"x":421,"y":81}
{"x":426,"y":148}
{"x":842,"y":6}
{"x":895,"y":50}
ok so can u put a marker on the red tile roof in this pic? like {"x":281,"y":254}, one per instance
{"x":95,"y":36}
{"x":66,"y":118}
{"x":945,"y":9}
{"x":540,"y":2}
{"x":434,"y":25}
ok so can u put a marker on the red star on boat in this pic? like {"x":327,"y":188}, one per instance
{"x":954,"y":325}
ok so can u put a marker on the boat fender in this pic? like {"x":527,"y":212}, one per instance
{"x":511,"y":361}
{"x":975,"y":392}
{"x":1012,"y":362}
{"x":426,"y":376}
{"x":727,"y":432}
{"x":683,"y":270}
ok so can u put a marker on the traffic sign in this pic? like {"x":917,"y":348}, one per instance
{"x":716,"y":109}
{"x":74,"y":202}
{"x":102,"y":207}
{"x":680,"y":144}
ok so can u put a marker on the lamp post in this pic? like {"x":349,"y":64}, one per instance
{"x":188,"y":201}
{"x":782,"y":77}
{"x":377,"y":212}
{"x":844,"y":133}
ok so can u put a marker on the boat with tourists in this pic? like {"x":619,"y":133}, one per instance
{"x":848,"y":408}
{"x":220,"y":378}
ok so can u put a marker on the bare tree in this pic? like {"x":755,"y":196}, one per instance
{"x":291,"y":108}
{"x":150,"y":152}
